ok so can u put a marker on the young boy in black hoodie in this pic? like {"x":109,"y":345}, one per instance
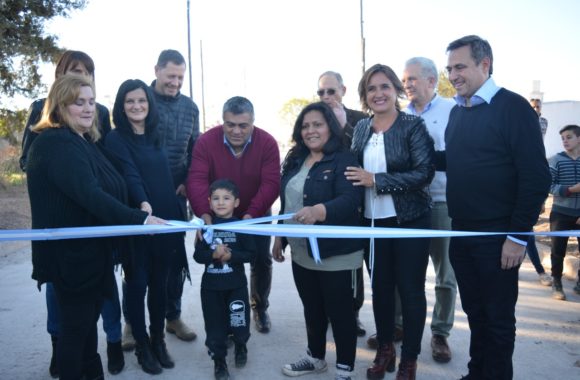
{"x":224,"y":287}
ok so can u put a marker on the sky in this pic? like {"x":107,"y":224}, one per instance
{"x":273,"y":51}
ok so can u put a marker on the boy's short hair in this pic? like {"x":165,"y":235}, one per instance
{"x":571,"y":127}
{"x":224,"y":184}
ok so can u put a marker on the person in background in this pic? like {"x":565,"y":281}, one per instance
{"x":497,"y":180}
{"x":396,"y":153}
{"x":315,"y":189}
{"x":565,"y":214}
{"x":420,"y":81}
{"x":224,"y":287}
{"x":142,"y":161}
{"x":331,"y":89}
{"x":248,"y":156}
{"x":78,"y":62}
{"x":531,"y":248}
{"x":72,"y":184}
{"x":178,"y":129}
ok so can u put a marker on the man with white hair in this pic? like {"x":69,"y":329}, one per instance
{"x":420,"y":81}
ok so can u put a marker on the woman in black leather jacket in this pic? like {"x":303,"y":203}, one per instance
{"x":315,"y":189}
{"x":396,"y":153}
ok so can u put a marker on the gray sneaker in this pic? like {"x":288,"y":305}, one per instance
{"x":304,"y":366}
{"x":557,"y":291}
{"x":127,"y":340}
{"x":577,"y":287}
{"x":545,"y":279}
{"x":343,"y":372}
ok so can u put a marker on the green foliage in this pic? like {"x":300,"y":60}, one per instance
{"x":292,"y":108}
{"x":24,"y":44}
{"x":11,"y":124}
{"x":444,"y":87}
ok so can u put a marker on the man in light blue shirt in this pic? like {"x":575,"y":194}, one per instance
{"x":420,"y":80}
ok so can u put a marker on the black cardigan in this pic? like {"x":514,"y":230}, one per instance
{"x":71,"y":184}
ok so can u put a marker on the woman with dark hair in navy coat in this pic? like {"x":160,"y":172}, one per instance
{"x":143,"y":164}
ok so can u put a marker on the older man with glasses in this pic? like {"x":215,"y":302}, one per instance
{"x":331,"y":89}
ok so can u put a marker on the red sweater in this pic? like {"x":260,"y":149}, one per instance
{"x":256,"y":172}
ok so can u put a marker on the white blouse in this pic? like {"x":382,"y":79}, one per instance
{"x":377,"y":206}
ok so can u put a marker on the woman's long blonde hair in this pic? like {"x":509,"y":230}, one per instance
{"x":64,"y":91}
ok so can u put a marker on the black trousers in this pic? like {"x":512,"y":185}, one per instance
{"x":401,"y":263}
{"x":560,"y":222}
{"x":328,"y":295}
{"x":149,"y":276}
{"x":225,"y":312}
{"x":77,"y":342}
{"x":488,"y":296}
{"x":261,"y":274}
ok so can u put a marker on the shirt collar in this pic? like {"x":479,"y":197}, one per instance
{"x":483,"y":95}
{"x":413,"y":111}
{"x":231,"y":148}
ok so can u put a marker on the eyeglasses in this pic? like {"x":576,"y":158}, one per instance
{"x":329,"y":91}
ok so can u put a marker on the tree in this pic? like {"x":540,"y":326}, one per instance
{"x":292,"y":108}
{"x":444,"y":86}
{"x":24,"y":45}
{"x":11,"y":123}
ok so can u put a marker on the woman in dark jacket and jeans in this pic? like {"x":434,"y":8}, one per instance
{"x":315,"y":189}
{"x":396,"y":153}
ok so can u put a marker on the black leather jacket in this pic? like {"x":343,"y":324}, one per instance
{"x":409,"y":153}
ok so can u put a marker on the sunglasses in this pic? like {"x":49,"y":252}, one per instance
{"x":329,"y":91}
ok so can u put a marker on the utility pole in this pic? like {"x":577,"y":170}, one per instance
{"x":189,"y":52}
{"x":202,"y":85}
{"x":362,"y":38}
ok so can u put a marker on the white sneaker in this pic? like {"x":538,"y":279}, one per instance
{"x":304,"y":366}
{"x":545,"y":279}
{"x":343,"y":372}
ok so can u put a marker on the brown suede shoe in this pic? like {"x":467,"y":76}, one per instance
{"x":440,"y":349}
{"x":373,"y":343}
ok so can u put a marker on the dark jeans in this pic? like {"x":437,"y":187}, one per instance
{"x":261,"y":274}
{"x":488,"y":296}
{"x":110,"y":313}
{"x":225,"y":312}
{"x":327,"y":295}
{"x":401,"y":263}
{"x":534,"y":255}
{"x":175,"y":281}
{"x":149,"y":276}
{"x":176,"y":277}
{"x":77,"y":341}
{"x":560,"y":222}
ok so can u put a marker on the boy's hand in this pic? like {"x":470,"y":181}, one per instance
{"x":220,"y":251}
{"x":227,"y":256}
{"x":512,"y":254}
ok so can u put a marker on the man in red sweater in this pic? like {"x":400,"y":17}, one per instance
{"x":249,"y":156}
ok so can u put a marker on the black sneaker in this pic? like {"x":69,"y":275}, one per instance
{"x":241,"y":355}
{"x":304,"y":366}
{"x":220,"y":369}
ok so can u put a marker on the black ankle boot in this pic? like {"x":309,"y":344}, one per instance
{"x":220,"y":369}
{"x":53,"y":369}
{"x":93,"y":370}
{"x":160,"y":351}
{"x":115,"y":358}
{"x":146,"y":358}
{"x":241,"y":355}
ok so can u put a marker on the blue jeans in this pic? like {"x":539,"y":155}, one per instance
{"x":110,"y":313}
{"x":534,"y":256}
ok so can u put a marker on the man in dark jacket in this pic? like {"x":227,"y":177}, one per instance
{"x":178,"y":129}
